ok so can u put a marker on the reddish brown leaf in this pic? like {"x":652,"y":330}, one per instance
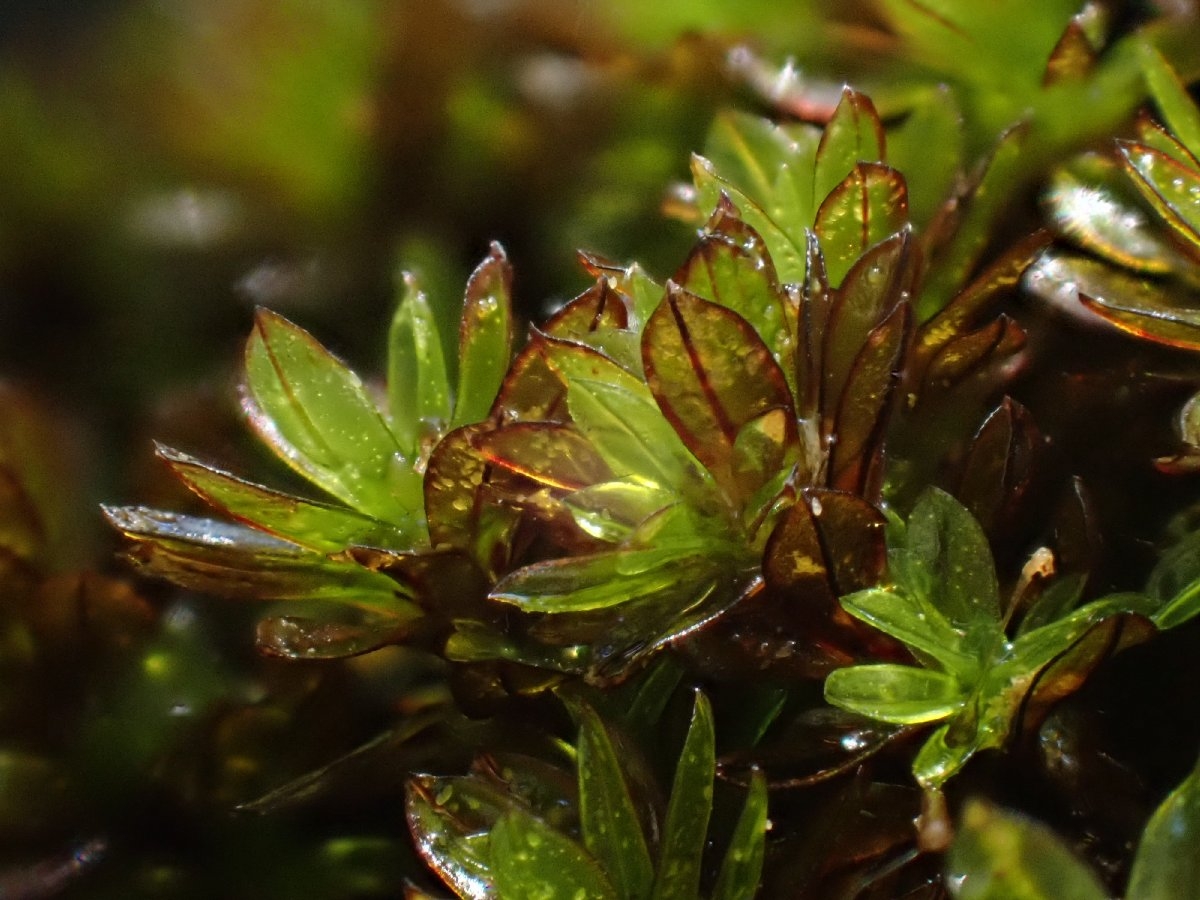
{"x":966,"y":354}
{"x":854,"y":134}
{"x":815,"y":304}
{"x":730,"y":265}
{"x":298,"y":637}
{"x":532,"y":391}
{"x":711,"y":374}
{"x":851,"y":531}
{"x":554,"y":455}
{"x":863,"y":406}
{"x":598,"y":308}
{"x":870,"y":292}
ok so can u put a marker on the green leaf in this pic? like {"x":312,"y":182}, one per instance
{"x":999,"y":855}
{"x":485,"y":338}
{"x":1172,"y":98}
{"x":1175,"y":583}
{"x":316,"y":414}
{"x":686,"y":827}
{"x":1171,"y":187}
{"x":611,"y":829}
{"x":317,"y":526}
{"x":868,"y":206}
{"x":852,"y":136}
{"x":946,"y":561}
{"x":902,"y":695}
{"x":579,"y":583}
{"x":554,"y":455}
{"x":612,"y":510}
{"x":417,"y":383}
{"x":1167,"y":863}
{"x":919,"y":625}
{"x":234,"y":561}
{"x":928,"y":148}
{"x":742,"y":867}
{"x":529,"y":860}
{"x":1035,"y":648}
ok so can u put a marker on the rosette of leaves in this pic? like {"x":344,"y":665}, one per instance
{"x":998,"y":855}
{"x":350,"y":566}
{"x":517,"y":827}
{"x":987,"y":666}
{"x":1135,"y":215}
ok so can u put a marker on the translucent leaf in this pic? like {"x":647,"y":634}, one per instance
{"x":316,"y":414}
{"x":749,"y":150}
{"x":485,"y":338}
{"x":868,"y":206}
{"x":741,"y":868}
{"x":417,"y":383}
{"x":530,"y":859}
{"x":555,"y":455}
{"x":641,"y":291}
{"x":599,"y":308}
{"x":597,"y":581}
{"x":918,"y":625}
{"x":730,"y":266}
{"x":1150,"y":133}
{"x":871,"y":291}
{"x":532,"y":391}
{"x":852,"y":136}
{"x":1171,"y":187}
{"x":711,"y":375}
{"x":864,"y":404}
{"x":317,"y":526}
{"x":999,"y":855}
{"x":1167,"y":863}
{"x":325,"y":636}
{"x":1171,"y":97}
{"x":1096,"y":215}
{"x":686,"y":827}
{"x":234,"y":561}
{"x":449,"y":819}
{"x":611,"y":510}
{"x":902,"y":695}
{"x":1162,"y":313}
{"x":786,"y":246}
{"x":454,"y":480}
{"x":611,"y":829}
{"x":941,"y":758}
{"x":1037,"y":647}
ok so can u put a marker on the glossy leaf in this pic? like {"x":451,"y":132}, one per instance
{"x":234,"y":561}
{"x":449,"y":819}
{"x":611,"y":510}
{"x":417,"y":382}
{"x":919,"y":625}
{"x":853,"y":136}
{"x":532,"y":390}
{"x":1171,"y":187}
{"x":997,"y":472}
{"x":1166,"y":865}
{"x":741,"y":868}
{"x":730,"y":266}
{"x":999,"y":855}
{"x":641,"y":292}
{"x":1095,"y":214}
{"x":485,"y":338}
{"x":872,"y":290}
{"x":851,"y":530}
{"x":325,"y":637}
{"x":598,"y":309}
{"x":946,"y":561}
{"x":686,"y":826}
{"x":317,"y":526}
{"x":316,"y":414}
{"x":864,"y":403}
{"x":1171,"y":96}
{"x":1162,"y":313}
{"x":902,"y":695}
{"x":711,"y":375}
{"x":558,"y":456}
{"x":611,"y":829}
{"x":530,"y":859}
{"x":868,"y":206}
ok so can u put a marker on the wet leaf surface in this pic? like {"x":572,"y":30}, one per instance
{"x":741,"y":869}
{"x":417,"y":381}
{"x":1172,"y":188}
{"x":485,"y":337}
{"x":528,"y":858}
{"x":317,"y":416}
{"x":686,"y":827}
{"x":870,"y":205}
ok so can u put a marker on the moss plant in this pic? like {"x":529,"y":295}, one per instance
{"x":770,"y":574}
